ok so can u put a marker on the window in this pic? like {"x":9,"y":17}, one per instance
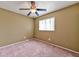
{"x":47,"y":24}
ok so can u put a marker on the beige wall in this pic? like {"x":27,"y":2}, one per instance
{"x":66,"y":33}
{"x":13,"y":27}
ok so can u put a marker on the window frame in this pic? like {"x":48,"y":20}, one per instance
{"x":45,"y":21}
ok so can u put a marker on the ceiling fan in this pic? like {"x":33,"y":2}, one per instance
{"x":33,"y":9}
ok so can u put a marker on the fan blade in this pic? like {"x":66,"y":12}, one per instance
{"x":29,"y":13}
{"x":41,"y":10}
{"x":37,"y":13}
{"x":24,"y":9}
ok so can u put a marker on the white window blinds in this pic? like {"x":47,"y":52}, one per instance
{"x":47,"y":24}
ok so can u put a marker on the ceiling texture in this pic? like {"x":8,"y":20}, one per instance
{"x":51,"y":6}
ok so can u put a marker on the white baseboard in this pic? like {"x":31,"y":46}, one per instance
{"x":58,"y":46}
{"x":14,"y":43}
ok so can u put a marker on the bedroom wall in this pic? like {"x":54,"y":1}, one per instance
{"x":13,"y":27}
{"x":66,"y":33}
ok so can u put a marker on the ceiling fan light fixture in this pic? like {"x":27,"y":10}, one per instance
{"x":33,"y":10}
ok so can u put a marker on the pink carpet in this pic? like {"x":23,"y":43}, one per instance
{"x":33,"y":48}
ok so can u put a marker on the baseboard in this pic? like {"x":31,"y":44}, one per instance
{"x":14,"y":43}
{"x":58,"y":46}
{"x":44,"y":42}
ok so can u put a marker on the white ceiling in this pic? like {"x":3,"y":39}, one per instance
{"x":49,"y":5}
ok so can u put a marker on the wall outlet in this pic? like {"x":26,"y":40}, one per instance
{"x":49,"y":39}
{"x":24,"y":37}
